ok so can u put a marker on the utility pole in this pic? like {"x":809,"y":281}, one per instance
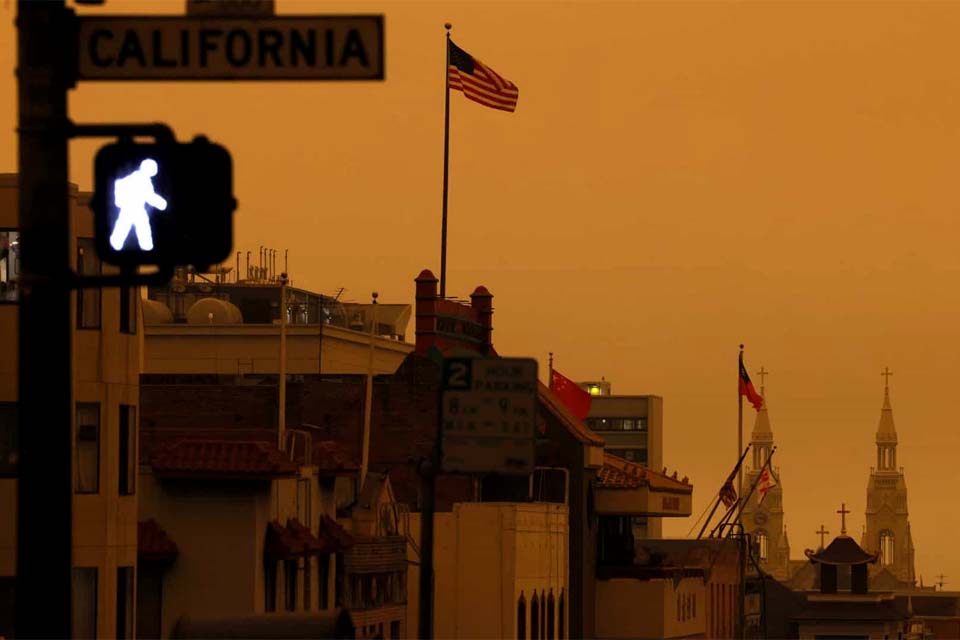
{"x":44,"y":478}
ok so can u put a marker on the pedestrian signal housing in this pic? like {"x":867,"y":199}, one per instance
{"x":163,"y":203}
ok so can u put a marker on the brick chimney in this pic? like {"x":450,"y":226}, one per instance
{"x":482,"y":302}
{"x":426,"y":311}
{"x":448,"y":324}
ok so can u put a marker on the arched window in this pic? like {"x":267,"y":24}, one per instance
{"x":522,"y":617}
{"x":550,"y":614}
{"x":886,"y":547}
{"x":534,"y":616}
{"x":543,"y":615}
{"x":762,"y":544}
{"x":561,"y":623}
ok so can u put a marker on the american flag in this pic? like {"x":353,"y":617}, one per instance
{"x":728,"y":495}
{"x":479,"y":82}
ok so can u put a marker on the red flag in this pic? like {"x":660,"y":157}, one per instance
{"x":767,"y":482}
{"x":571,"y":395}
{"x":746,"y":387}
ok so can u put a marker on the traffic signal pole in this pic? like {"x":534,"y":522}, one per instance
{"x":44,"y":479}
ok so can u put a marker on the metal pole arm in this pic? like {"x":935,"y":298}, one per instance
{"x":157,"y":130}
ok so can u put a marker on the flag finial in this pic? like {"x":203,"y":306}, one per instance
{"x":447,"y":26}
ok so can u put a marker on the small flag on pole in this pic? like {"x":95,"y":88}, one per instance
{"x":478,"y":82}
{"x":728,"y":495}
{"x":767,"y":482}
{"x":746,"y":387}
{"x":570,"y":394}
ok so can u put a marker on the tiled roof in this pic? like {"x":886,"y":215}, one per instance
{"x":153,"y":543}
{"x":575,"y":426}
{"x":296,"y":539}
{"x":330,"y":531}
{"x":152,"y":440}
{"x":220,"y":458}
{"x":328,"y":456}
{"x":618,"y":473}
{"x":843,"y":550}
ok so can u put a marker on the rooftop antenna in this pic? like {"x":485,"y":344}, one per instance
{"x":940,"y":581}
{"x":248,"y":265}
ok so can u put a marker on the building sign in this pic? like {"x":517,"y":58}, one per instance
{"x":488,"y":415}
{"x":231,"y":48}
{"x":670,"y":503}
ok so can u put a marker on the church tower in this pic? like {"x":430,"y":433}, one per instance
{"x":887,"y":529}
{"x":764,"y":521}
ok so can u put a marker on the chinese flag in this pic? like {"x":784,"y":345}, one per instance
{"x":572,"y":396}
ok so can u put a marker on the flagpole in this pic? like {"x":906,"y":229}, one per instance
{"x":739,"y":426}
{"x":757,"y":481}
{"x":717,"y":503}
{"x":446,"y":164}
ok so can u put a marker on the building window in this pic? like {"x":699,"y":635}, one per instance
{"x":639,"y":525}
{"x":8,"y":592}
{"x":290,"y":578}
{"x":339,"y":581}
{"x":522,"y":617}
{"x":88,"y":448}
{"x":550,"y":616}
{"x":88,"y":298}
{"x":543,"y":615}
{"x":124,"y":603}
{"x":561,"y":612}
{"x":270,"y":585}
{"x":9,"y":265}
{"x":84,"y":621}
{"x":886,"y":547}
{"x":149,"y":601}
{"x":128,"y":309}
{"x":762,"y":545}
{"x":128,"y":449}
{"x":535,"y":616}
{"x":324,"y":587}
{"x":8,"y":439}
{"x":307,"y":578}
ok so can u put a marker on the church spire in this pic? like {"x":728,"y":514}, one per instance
{"x":886,"y":431}
{"x":762,"y":436}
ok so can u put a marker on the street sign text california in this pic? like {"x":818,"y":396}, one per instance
{"x":282,"y":48}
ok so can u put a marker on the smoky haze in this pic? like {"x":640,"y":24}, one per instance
{"x":677,"y":179}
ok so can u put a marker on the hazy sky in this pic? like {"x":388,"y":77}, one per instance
{"x":678,"y":178}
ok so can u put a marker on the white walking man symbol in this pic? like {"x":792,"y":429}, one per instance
{"x":131,"y":194}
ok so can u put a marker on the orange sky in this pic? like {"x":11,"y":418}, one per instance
{"x":678,"y":178}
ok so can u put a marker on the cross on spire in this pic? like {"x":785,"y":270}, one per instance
{"x":822,"y":533}
{"x":843,"y":511}
{"x":886,"y":373}
{"x":763,"y":373}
